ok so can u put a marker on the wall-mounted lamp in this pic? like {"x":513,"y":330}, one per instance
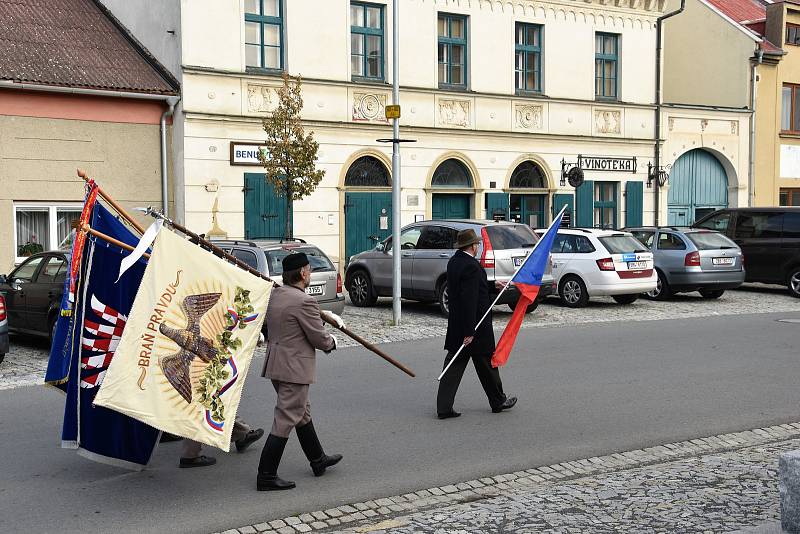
{"x":660,"y":173}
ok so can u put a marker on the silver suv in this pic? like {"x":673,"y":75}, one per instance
{"x":267,"y":256}
{"x":426,"y":247}
{"x":691,"y":259}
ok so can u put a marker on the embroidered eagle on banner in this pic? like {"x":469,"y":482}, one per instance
{"x":192,"y":344}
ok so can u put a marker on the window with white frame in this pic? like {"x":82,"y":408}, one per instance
{"x":40,"y":227}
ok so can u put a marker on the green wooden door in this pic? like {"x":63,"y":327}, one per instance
{"x":559,"y":201}
{"x":634,"y":203}
{"x":445,"y":206}
{"x":264,"y":211}
{"x":584,"y":200}
{"x":497,"y":206}
{"x":365,"y":215}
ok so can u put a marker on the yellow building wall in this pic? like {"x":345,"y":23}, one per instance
{"x":39,"y":158}
{"x":777,"y":154}
{"x":701,"y":49}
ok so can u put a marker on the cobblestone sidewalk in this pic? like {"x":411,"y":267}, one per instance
{"x":27,"y":361}
{"x":719,"y":484}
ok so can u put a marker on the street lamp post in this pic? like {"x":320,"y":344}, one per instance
{"x":393,"y":112}
{"x":396,"y":264}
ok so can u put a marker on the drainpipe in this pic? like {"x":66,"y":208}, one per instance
{"x":751,"y":181}
{"x":659,"y":39}
{"x":171,"y":102}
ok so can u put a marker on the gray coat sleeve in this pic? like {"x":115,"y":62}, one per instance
{"x":313,"y":327}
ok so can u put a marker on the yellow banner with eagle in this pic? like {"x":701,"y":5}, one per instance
{"x":184,"y":354}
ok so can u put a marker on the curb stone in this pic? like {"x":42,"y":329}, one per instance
{"x":487,"y":487}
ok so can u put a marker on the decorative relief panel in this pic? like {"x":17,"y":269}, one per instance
{"x":454,"y":113}
{"x":369,"y":107}
{"x":259,"y":98}
{"x":608,"y":121}
{"x":528,"y":116}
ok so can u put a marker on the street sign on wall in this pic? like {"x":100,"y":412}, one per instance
{"x":606,"y":163}
{"x":246,"y":153}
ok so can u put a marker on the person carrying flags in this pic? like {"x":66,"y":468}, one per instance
{"x":295,"y":332}
{"x":468,"y":290}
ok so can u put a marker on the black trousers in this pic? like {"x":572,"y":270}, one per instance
{"x":488,"y":375}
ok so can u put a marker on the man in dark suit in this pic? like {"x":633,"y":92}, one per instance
{"x":468,"y":290}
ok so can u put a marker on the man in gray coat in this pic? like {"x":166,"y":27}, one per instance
{"x":294,"y":332}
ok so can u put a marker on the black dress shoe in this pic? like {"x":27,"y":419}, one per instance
{"x":200,"y":461}
{"x":273,"y":483}
{"x":319,"y":466}
{"x":449,"y":415}
{"x":507,"y":405}
{"x":249,"y":438}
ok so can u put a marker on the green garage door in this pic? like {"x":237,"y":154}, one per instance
{"x":698,"y":185}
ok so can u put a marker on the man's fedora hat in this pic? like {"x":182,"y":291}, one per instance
{"x":467,"y":238}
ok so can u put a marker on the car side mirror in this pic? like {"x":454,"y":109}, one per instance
{"x":3,"y":279}
{"x":380,"y":247}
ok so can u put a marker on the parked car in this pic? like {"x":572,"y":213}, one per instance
{"x":691,"y":259}
{"x":593,"y":262}
{"x":769,"y":239}
{"x":427,"y":246}
{"x":3,"y":328}
{"x":33,"y":293}
{"x":267,"y":256}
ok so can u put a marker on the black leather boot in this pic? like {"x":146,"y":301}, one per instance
{"x":313,"y":450}
{"x":268,"y":479}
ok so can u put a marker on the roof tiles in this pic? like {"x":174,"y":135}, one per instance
{"x":741,"y":10}
{"x":73,"y":43}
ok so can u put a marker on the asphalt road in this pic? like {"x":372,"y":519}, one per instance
{"x":585,"y":390}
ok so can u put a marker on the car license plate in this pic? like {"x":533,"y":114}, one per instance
{"x":518,"y":261}
{"x":315,"y":290}
{"x":637,"y":265}
{"x":722,"y":261}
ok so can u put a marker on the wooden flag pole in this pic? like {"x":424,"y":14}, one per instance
{"x":119,"y":209}
{"x":91,"y":231}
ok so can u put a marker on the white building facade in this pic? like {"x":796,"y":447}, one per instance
{"x":496,"y":94}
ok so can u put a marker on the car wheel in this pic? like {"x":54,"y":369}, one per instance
{"x":362,"y":294}
{"x":711,"y":293}
{"x":625,"y":299}
{"x":531,"y":307}
{"x":573,"y":292}
{"x":794,"y":282}
{"x":443,"y":298}
{"x":662,"y":290}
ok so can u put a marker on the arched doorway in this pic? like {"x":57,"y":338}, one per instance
{"x":525,"y":207}
{"x":698,"y":185}
{"x":454,"y":175}
{"x":367,"y":204}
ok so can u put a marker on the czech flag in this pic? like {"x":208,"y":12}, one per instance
{"x":528,"y":279}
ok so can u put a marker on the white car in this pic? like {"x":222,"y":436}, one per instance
{"x":592,"y":263}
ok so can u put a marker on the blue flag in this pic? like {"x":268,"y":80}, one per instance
{"x":88,"y":338}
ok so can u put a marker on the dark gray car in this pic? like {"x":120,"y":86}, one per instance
{"x":426,"y":247}
{"x":691,"y":259}
{"x":266,"y":257}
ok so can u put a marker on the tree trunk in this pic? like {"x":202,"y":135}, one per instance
{"x":289,"y":202}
